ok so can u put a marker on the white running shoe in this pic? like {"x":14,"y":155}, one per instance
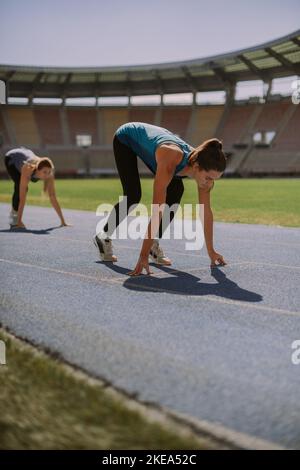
{"x":13,"y":218}
{"x":105,"y":248}
{"x":157,"y":255}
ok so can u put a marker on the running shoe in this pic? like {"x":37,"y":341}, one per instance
{"x":104,"y":247}
{"x":157,"y":255}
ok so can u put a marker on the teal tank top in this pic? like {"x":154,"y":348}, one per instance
{"x":144,"y":138}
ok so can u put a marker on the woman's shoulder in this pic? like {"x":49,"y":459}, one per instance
{"x":169,"y":147}
{"x":169,"y":153}
{"x":28,"y":167}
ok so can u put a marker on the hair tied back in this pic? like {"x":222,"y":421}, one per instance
{"x":217,"y":144}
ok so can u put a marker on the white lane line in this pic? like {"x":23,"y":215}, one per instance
{"x":264,"y":263}
{"x":180,"y":253}
{"x":156,"y":289}
{"x":128,"y":247}
{"x":61,"y":271}
{"x":157,"y":274}
{"x":266,"y":242}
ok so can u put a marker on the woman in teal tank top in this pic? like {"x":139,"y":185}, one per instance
{"x":145,"y":138}
{"x":170,"y":159}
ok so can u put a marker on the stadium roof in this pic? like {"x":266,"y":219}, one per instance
{"x":274,"y":59}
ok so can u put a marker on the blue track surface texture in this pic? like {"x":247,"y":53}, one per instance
{"x":211,"y":344}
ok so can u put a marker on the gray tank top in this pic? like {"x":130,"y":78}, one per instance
{"x":18,"y":156}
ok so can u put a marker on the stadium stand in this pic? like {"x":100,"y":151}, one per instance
{"x":270,"y":116}
{"x":24,"y":126}
{"x":49,"y":125}
{"x":4,"y":137}
{"x":236,"y":124}
{"x":289,"y":138}
{"x":82,"y":121}
{"x":176,"y":119}
{"x":67,"y":162}
{"x":204,"y":123}
{"x":137,"y":114}
{"x":266,"y":161}
{"x":47,"y":136}
{"x":52,"y":129}
{"x":111,"y":119}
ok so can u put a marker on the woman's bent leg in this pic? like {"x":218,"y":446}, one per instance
{"x":15,"y":176}
{"x":126,"y":162}
{"x":175,"y":191}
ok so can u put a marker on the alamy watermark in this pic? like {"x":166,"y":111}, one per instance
{"x":2,"y":353}
{"x":295,"y":357}
{"x":188,"y":222}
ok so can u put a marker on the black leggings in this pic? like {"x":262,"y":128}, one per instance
{"x":127,"y":166}
{"x":15,"y":176}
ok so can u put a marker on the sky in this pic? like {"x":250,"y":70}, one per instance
{"x":130,"y":32}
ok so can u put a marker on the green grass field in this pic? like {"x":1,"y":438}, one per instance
{"x":44,"y":405}
{"x":262,"y":201}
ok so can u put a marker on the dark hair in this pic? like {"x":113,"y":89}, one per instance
{"x":45,"y":163}
{"x":209,"y":155}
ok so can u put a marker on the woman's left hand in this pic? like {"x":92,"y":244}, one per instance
{"x":214,"y":256}
{"x":143,"y":263}
{"x":65,"y":224}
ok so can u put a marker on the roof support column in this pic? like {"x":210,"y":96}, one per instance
{"x":158,"y":112}
{"x":98,"y":122}
{"x":64,"y":122}
{"x":267,"y":89}
{"x":230,"y":93}
{"x":194,"y":98}
{"x":191,"y":133}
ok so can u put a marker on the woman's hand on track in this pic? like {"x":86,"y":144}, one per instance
{"x":143,"y":263}
{"x":65,"y":224}
{"x":214,"y":256}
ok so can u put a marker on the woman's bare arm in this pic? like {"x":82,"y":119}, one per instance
{"x":53,"y":199}
{"x":204,"y":198}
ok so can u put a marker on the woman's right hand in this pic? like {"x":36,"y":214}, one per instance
{"x":143,"y":263}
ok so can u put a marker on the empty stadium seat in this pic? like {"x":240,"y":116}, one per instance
{"x":176,"y":119}
{"x":271,"y":162}
{"x":236,"y":122}
{"x":289,"y":138}
{"x":204,"y":123}
{"x":137,"y":114}
{"x":5,"y":140}
{"x":24,"y":126}
{"x":82,"y":121}
{"x":49,"y":125}
{"x":111,"y":119}
{"x":270,"y":116}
